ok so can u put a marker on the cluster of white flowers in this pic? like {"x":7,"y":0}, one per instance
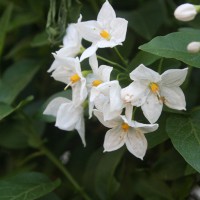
{"x":187,"y":12}
{"x":111,"y":104}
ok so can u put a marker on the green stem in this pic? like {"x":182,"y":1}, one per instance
{"x":111,"y":62}
{"x":160,"y":65}
{"x":134,"y":110}
{"x":120,"y":57}
{"x":65,"y":172}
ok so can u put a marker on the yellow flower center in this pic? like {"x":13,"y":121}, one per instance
{"x":154,"y":87}
{"x":74,"y":78}
{"x":104,"y":34}
{"x":125,"y":127}
{"x":95,"y":83}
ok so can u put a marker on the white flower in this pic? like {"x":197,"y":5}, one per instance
{"x":69,"y":72}
{"x":68,"y":115}
{"x":185,"y":12}
{"x":107,"y":31}
{"x":158,"y":89}
{"x":106,"y":98}
{"x":72,"y":45}
{"x":123,"y":131}
{"x":193,"y":47}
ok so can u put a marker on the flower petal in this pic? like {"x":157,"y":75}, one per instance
{"x":106,"y":14}
{"x":136,"y":143}
{"x":114,"y":139}
{"x":93,"y":63}
{"x":144,"y":128}
{"x":80,"y":127}
{"x":173,"y":97}
{"x":53,"y":106}
{"x":174,"y":77}
{"x":108,"y":123}
{"x":68,"y":115}
{"x":88,"y":52}
{"x":104,"y":72}
{"x":152,"y":108}
{"x":119,"y":29}
{"x":144,"y":73}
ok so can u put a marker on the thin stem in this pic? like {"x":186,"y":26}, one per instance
{"x":134,"y":110}
{"x":160,"y":65}
{"x":120,"y":57}
{"x":65,"y":172}
{"x":111,"y":62}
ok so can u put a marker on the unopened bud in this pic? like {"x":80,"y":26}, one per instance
{"x":186,"y":12}
{"x":193,"y":47}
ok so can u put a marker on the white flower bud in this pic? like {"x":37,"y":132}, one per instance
{"x":193,"y":47}
{"x":185,"y":12}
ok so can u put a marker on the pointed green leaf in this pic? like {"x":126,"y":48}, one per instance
{"x":16,"y":78}
{"x":5,"y":110}
{"x":27,"y":186}
{"x":174,"y":45}
{"x":184,"y":133}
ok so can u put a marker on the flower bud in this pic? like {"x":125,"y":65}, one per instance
{"x":193,"y":47}
{"x":185,"y":12}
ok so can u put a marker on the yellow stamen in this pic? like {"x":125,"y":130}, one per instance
{"x":95,"y":83}
{"x":75,"y":78}
{"x":104,"y":34}
{"x":125,"y":127}
{"x":154,"y":87}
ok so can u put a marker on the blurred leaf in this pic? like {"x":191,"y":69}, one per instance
{"x":16,"y":78}
{"x":40,"y":39}
{"x":159,"y":136}
{"x":4,"y":22}
{"x":51,"y":196}
{"x":105,"y":183}
{"x":141,"y":20}
{"x":170,"y":166}
{"x":15,"y":136}
{"x":184,"y":133}
{"x":5,"y":110}
{"x":74,"y":8}
{"x":150,"y":188}
{"x":22,"y":19}
{"x":26,"y":186}
{"x":174,"y":45}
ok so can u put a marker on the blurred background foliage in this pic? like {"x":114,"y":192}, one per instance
{"x":29,"y":32}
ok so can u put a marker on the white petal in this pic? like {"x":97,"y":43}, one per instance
{"x":104,"y":72}
{"x":174,"y":77}
{"x":93,"y":63}
{"x":152,"y":108}
{"x":88,"y":52}
{"x":53,"y":106}
{"x":174,"y":97}
{"x":109,"y":123}
{"x":68,"y":115}
{"x":119,"y":29}
{"x":60,"y":74}
{"x":80,"y":127}
{"x":107,"y":43}
{"x":144,"y":128}
{"x":136,"y":143}
{"x":128,"y":111}
{"x":90,"y":30}
{"x":106,"y":13}
{"x":144,"y":73}
{"x":114,"y":139}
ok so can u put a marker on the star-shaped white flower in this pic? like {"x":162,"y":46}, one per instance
{"x":107,"y":31}
{"x":123,"y":131}
{"x":68,"y":115}
{"x":71,"y":45}
{"x":159,"y":89}
{"x":69,"y":72}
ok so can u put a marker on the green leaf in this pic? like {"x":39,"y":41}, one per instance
{"x":105,"y":183}
{"x":16,"y":78}
{"x":174,"y":45}
{"x":40,"y":39}
{"x":4,"y":22}
{"x":5,"y":110}
{"x":27,"y":186}
{"x":184,"y":133}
